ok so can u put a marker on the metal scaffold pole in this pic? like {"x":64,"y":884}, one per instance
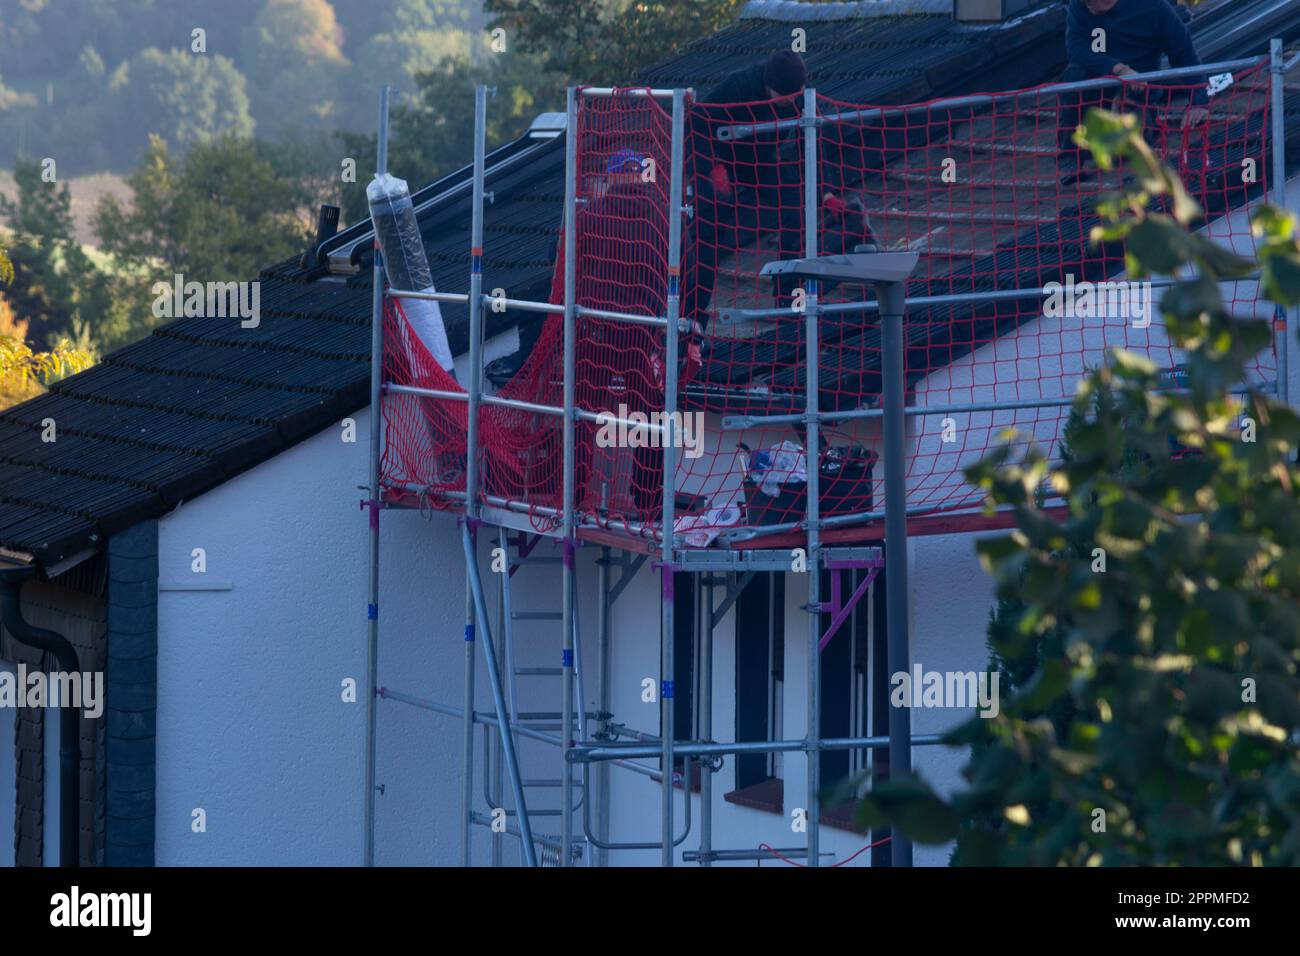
{"x":568,"y":506}
{"x":474,"y":306}
{"x":475,"y":388}
{"x":527,"y":848}
{"x":812,"y":450}
{"x":605,"y":696}
{"x":467,"y":732}
{"x":705,"y":630}
{"x":891,"y":297}
{"x":1282,"y":328}
{"x":376,"y":426}
{"x":667,"y":697}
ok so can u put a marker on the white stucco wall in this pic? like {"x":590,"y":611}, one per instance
{"x":251,"y":725}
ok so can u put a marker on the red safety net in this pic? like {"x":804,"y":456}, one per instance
{"x":992,"y":194}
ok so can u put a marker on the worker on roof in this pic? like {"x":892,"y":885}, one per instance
{"x":746,"y":186}
{"x":1123,"y":38}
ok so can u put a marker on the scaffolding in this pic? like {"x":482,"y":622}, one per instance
{"x":830,"y":543}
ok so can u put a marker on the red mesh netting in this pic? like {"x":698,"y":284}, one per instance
{"x":993,"y":195}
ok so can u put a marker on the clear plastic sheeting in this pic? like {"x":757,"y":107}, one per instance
{"x":405,"y":263}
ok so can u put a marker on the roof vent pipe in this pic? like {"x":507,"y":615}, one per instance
{"x":11,"y":615}
{"x":988,"y":11}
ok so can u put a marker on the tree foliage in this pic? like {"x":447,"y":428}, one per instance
{"x":293,"y":58}
{"x":1180,"y":661}
{"x":431,"y":132}
{"x":221,"y":213}
{"x":55,"y":287}
{"x":605,"y":42}
{"x":188,"y":98}
{"x":23,"y":370}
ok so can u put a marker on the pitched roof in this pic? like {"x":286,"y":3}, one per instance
{"x":201,"y":400}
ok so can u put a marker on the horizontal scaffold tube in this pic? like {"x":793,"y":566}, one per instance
{"x":734,"y":856}
{"x":742,"y":130}
{"x":958,"y":298}
{"x":599,"y":418}
{"x":482,"y":717}
{"x":743,"y":422}
{"x":584,"y":754}
{"x":624,"y":91}
{"x":530,"y":305}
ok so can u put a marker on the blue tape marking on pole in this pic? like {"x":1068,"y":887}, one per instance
{"x":372,"y":612}
{"x":673,"y":285}
{"x":667,"y":689}
{"x":379,"y":257}
{"x":566,"y":658}
{"x":476,"y":265}
{"x":469,"y":632}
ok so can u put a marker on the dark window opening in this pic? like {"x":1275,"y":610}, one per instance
{"x":686,"y":615}
{"x":854,"y":691}
{"x":760,"y":674}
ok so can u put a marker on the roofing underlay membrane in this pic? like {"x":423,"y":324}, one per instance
{"x":200,"y":400}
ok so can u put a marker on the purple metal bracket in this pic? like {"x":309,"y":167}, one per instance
{"x":667,"y":571}
{"x":525,"y":544}
{"x":841,"y":611}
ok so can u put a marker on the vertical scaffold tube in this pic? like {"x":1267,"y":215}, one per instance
{"x":705,"y":630}
{"x":527,"y":848}
{"x":602,"y":669}
{"x":812,"y":448}
{"x":1282,"y":329}
{"x":891,"y":297}
{"x":376,"y":427}
{"x":568,"y":518}
{"x":666,"y":701}
{"x":475,"y":306}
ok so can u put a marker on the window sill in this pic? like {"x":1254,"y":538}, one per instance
{"x":767,"y":795}
{"x":843,"y":817}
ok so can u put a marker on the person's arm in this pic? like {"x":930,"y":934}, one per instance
{"x":1078,"y":43}
{"x":1176,"y":40}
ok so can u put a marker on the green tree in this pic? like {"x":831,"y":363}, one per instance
{"x":397,"y":59}
{"x":292,"y":54}
{"x":605,"y":42}
{"x":432,"y":133}
{"x":395,"y":17}
{"x":184,"y":97}
{"x":24,"y":371}
{"x":58,"y":289}
{"x":549,"y":44}
{"x":1018,"y":658}
{"x":1182,"y":660}
{"x":220,"y":214}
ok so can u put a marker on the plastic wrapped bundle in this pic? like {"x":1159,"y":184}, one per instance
{"x":405,"y":263}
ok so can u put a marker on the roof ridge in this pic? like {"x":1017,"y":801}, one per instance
{"x":793,"y":10}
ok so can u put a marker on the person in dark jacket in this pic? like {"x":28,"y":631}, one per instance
{"x":746,"y":186}
{"x":1122,"y":38}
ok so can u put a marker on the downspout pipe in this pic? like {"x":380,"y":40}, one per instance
{"x":11,"y":582}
